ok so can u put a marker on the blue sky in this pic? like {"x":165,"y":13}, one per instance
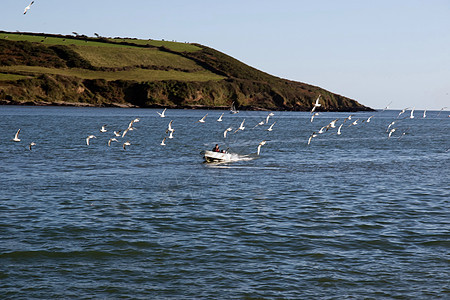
{"x":372,"y":51}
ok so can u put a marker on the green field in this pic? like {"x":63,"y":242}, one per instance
{"x":133,"y":56}
{"x":139,"y":75}
{"x":7,"y":77}
{"x":174,"y":46}
{"x":50,"y":40}
{"x":55,"y":40}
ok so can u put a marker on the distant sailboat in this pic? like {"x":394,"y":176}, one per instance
{"x":233,"y":109}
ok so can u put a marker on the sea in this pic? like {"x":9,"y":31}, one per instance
{"x":360,"y":215}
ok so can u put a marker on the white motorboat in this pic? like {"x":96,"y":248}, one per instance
{"x":212,"y":156}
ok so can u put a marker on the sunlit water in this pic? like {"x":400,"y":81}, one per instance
{"x":358,"y":215}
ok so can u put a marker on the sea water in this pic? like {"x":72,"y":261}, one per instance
{"x":357,"y":215}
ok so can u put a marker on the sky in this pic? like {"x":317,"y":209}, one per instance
{"x":380,"y":52}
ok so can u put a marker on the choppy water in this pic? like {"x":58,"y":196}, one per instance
{"x":355,"y":216}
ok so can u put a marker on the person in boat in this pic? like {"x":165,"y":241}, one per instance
{"x":216,"y":148}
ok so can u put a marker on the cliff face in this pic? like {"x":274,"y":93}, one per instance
{"x":60,"y":70}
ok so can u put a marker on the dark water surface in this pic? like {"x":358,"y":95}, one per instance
{"x":357,"y":215}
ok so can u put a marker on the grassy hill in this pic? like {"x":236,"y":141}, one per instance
{"x":78,"y":70}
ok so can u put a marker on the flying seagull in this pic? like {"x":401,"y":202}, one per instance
{"x":387,"y":106}
{"x":389,"y":126}
{"x":412,"y":113}
{"x":88,"y":139}
{"x":348,"y":118}
{"x":16,"y":137}
{"x":202,"y":120}
{"x":268,"y":116}
{"x":317,"y":104}
{"x":271,"y":126}
{"x":161,"y":114}
{"x":220,"y":118}
{"x":391,"y":132}
{"x":169,"y":127}
{"x":31,"y":144}
{"x":127,"y":143}
{"x":233,"y":109}
{"x":311,"y":136}
{"x":126,"y":130}
{"x":442,"y":109}
{"x":402,"y":111}
{"x":322,"y":130}
{"x":241,"y":127}
{"x":225,"y":132}
{"x":28,"y":7}
{"x":333,"y":123}
{"x":162,"y":143}
{"x":111,"y":140}
{"x":339,"y":129}
{"x":259,"y":124}
{"x":103,"y":129}
{"x":259,"y":146}
{"x":314,"y":115}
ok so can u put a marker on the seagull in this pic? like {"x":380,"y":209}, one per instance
{"x":103,"y":129}
{"x":126,"y":130}
{"x":403,"y":110}
{"x":348,"y":118}
{"x":31,"y":144}
{"x":322,"y":130}
{"x":391,"y":132}
{"x":333,"y":123}
{"x":162,"y":143}
{"x":117,"y":133}
{"x":171,"y":134}
{"x":28,"y":7}
{"x":233,"y":109}
{"x":389,"y":126}
{"x":442,"y":109}
{"x":127,"y":143}
{"x":317,"y":104}
{"x":403,"y":133}
{"x":132,"y":122}
{"x":241,"y":127}
{"x":314,"y":115}
{"x":412,"y":113}
{"x":112,"y":140}
{"x":425,"y":113}
{"x":354,"y":123}
{"x":220,"y":118}
{"x":202,"y":120}
{"x":259,"y":146}
{"x":161,"y":114}
{"x":339,"y":129}
{"x":270,"y":128}
{"x":88,"y":138}
{"x":268,"y":116}
{"x":16,"y":137}
{"x":225,"y":132}
{"x":169,"y":128}
{"x":311,"y":136}
{"x":368,"y":120}
{"x":387,"y":106}
{"x":259,"y":124}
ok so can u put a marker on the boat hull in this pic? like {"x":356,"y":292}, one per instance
{"x":211,"y":156}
